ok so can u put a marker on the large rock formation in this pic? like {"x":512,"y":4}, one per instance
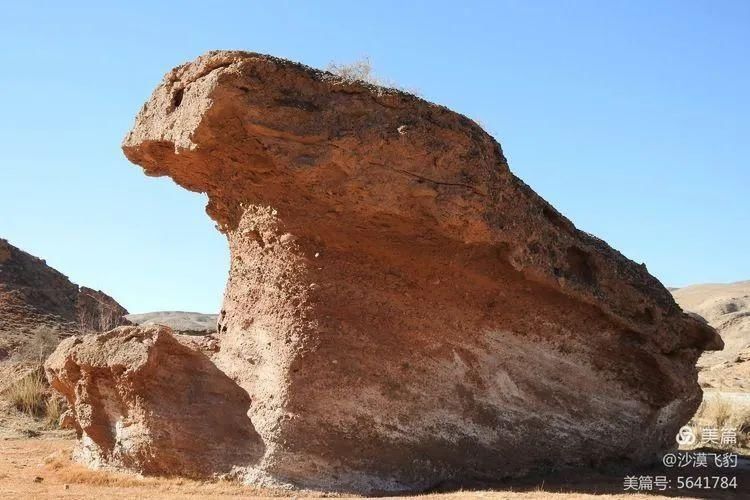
{"x":401,"y":308}
{"x":39,"y":305}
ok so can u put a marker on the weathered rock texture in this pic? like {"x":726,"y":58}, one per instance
{"x":141,"y":400}
{"x":401,"y":308}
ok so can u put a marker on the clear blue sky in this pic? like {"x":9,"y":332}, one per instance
{"x":631,"y":117}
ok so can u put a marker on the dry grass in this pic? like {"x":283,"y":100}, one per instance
{"x":77,"y":474}
{"x":32,"y":395}
{"x":742,"y":422}
{"x":720,"y":413}
{"x":22,"y":461}
{"x":54,"y":407}
{"x":41,"y":344}
{"x":25,"y":384}
{"x":29,"y":393}
{"x":361,"y":70}
{"x":65,"y":471}
{"x":717,"y":412}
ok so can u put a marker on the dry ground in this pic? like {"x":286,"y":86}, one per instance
{"x":41,"y":468}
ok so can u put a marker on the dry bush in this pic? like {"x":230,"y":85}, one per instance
{"x":54,"y":407}
{"x":43,"y":341}
{"x":720,"y":413}
{"x":26,"y":385}
{"x":29,"y":393}
{"x":32,"y":395}
{"x":361,"y":71}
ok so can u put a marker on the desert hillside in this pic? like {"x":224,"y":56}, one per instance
{"x":726,"y":307}
{"x":40,"y":306}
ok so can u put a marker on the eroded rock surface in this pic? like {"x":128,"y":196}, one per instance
{"x":141,"y":400}
{"x":401,"y":308}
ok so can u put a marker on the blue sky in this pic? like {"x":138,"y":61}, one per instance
{"x":632,"y":118}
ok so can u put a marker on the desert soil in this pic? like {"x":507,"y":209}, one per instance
{"x":41,"y":468}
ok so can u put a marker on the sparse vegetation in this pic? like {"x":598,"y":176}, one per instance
{"x":29,"y":393}
{"x":39,"y":346}
{"x":717,"y":411}
{"x":54,"y":406}
{"x":32,"y":395}
{"x":721,"y":413}
{"x":361,"y":70}
{"x":63,"y":470}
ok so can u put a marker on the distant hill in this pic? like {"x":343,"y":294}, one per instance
{"x":726,"y":307}
{"x":183,"y":322}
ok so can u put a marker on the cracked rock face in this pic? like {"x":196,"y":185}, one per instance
{"x":401,"y":308}
{"x":141,"y":400}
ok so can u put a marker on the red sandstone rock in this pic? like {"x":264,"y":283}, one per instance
{"x":401,"y":308}
{"x":141,"y":400}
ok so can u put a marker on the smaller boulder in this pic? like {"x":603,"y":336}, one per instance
{"x":142,"y":401}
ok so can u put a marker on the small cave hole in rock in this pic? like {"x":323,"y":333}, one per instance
{"x":177,"y":95}
{"x":580,"y":266}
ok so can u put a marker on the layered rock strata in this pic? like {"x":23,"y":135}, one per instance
{"x":401,"y":309}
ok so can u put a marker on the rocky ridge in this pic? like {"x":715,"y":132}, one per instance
{"x":39,"y":305}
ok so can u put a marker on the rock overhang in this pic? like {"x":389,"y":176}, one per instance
{"x":297,"y":132}
{"x":392,"y":282}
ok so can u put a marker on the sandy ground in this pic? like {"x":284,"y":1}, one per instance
{"x":41,"y":468}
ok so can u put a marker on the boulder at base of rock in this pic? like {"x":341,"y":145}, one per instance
{"x":140,"y":400}
{"x":401,"y":308}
